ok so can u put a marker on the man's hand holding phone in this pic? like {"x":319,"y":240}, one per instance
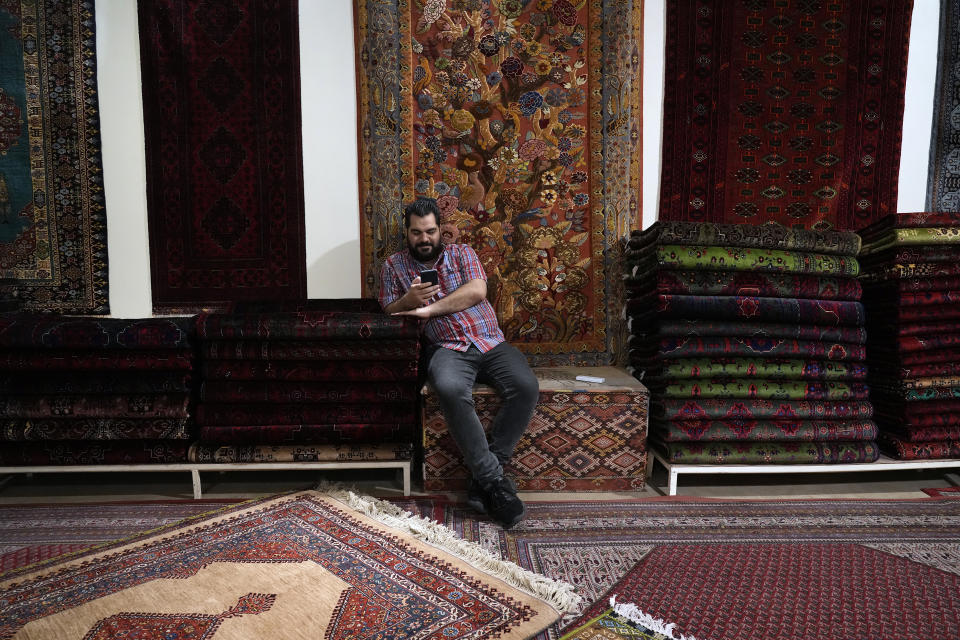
{"x":424,"y":287}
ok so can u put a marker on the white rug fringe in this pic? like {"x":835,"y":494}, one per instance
{"x":631,"y":612}
{"x":560,"y":595}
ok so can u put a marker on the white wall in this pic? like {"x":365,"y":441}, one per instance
{"x":330,"y":140}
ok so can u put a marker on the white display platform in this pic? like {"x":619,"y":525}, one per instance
{"x":674,"y":470}
{"x":195,"y":468}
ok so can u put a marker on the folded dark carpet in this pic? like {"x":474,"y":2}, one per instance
{"x":213,"y":453}
{"x":94,"y":406}
{"x":363,"y":370}
{"x":53,"y":331}
{"x":306,"y":324}
{"x":97,"y":429}
{"x":929,"y":450}
{"x":303,"y":413}
{"x":769,"y":236}
{"x":95,"y":360}
{"x":99,"y":452}
{"x":95,"y":382}
{"x":310,"y":433}
{"x":924,"y":434}
{"x":310,"y":349}
{"x":253,"y":391}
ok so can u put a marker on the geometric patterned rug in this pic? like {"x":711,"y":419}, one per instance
{"x":304,"y":565}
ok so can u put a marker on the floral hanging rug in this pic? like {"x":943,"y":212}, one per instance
{"x":307,"y":565}
{"x":523,"y":120}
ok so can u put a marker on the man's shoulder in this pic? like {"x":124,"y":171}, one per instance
{"x":396,"y":259}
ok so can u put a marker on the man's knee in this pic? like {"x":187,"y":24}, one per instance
{"x":451,"y":388}
{"x":527,"y":387}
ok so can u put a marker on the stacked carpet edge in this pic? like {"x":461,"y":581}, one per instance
{"x":326,"y":382}
{"x":911,"y":277}
{"x":86,"y":390}
{"x":751,"y":340}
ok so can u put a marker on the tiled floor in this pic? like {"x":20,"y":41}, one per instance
{"x":75,"y":487}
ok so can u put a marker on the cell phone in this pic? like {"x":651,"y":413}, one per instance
{"x":430,"y":275}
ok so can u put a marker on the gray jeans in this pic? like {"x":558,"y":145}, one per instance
{"x":452,"y":374}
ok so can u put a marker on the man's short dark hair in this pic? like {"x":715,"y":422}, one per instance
{"x":421,"y":207}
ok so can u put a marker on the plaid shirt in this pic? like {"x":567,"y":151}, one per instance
{"x":457,"y":265}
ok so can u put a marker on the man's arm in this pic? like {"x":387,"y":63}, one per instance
{"x":464,"y":297}
{"x":415,"y":297}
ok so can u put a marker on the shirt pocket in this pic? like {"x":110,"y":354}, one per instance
{"x":452,"y":280}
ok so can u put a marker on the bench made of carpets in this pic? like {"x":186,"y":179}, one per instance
{"x":583,"y":436}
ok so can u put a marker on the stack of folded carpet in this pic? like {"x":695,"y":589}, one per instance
{"x":309,"y":385}
{"x":751,"y":341}
{"x":911,"y":276}
{"x":83,"y":390}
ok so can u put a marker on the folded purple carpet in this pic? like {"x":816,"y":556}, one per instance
{"x":769,"y":452}
{"x":764,"y":430}
{"x":671,"y":348}
{"x":801,"y":311}
{"x":748,"y":329}
{"x":754,"y":284}
{"x":726,"y":409}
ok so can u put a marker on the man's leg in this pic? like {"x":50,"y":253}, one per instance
{"x":451,"y":375}
{"x":507,"y":370}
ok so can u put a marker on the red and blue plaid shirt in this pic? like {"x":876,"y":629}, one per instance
{"x":457,"y":265}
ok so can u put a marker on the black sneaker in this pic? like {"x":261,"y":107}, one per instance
{"x":475,"y":494}
{"x":502,"y":503}
{"x":475,"y":497}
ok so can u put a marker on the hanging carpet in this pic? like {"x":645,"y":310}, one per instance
{"x":786,"y":112}
{"x":523,"y":120}
{"x":221,"y":97}
{"x":53,"y":222}
{"x":943,"y":178}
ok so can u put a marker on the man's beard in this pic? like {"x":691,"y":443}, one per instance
{"x":425,"y":251}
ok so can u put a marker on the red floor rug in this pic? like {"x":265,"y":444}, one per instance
{"x":303,"y":565}
{"x":778,"y":591}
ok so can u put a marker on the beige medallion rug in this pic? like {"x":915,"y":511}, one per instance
{"x":306,"y":565}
